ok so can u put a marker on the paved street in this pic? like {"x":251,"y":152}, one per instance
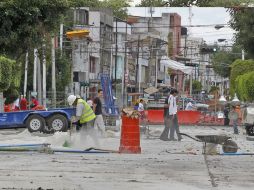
{"x":161,"y":165}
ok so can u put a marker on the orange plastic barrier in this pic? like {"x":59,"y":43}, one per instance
{"x":155,"y":116}
{"x":188,"y":117}
{"x":130,"y":136}
{"x":184,"y":117}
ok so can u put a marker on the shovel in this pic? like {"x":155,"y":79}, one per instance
{"x":67,"y":142}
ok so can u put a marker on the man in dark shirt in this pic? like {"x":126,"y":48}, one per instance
{"x":97,"y":108}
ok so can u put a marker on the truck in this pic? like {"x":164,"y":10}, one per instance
{"x":46,"y":121}
{"x":248,"y":119}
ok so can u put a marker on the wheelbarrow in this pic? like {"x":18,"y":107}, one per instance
{"x":228,"y":145}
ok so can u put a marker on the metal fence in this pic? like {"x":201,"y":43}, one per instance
{"x":60,"y":102}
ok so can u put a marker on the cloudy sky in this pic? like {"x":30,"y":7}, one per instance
{"x":200,"y":16}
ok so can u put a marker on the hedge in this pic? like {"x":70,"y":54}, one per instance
{"x":239,"y":67}
{"x":244,"y":85}
{"x":5,"y":72}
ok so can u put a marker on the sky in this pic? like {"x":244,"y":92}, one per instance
{"x":200,"y":16}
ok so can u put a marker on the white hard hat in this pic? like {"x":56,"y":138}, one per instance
{"x":71,"y":99}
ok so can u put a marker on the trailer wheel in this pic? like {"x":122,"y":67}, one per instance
{"x":250,"y":130}
{"x":57,"y":122}
{"x":229,"y":146}
{"x":35,"y":123}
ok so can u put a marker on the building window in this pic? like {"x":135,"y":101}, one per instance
{"x":172,"y":22}
{"x":109,"y":30}
{"x":92,"y":65}
{"x":82,"y":17}
{"x":75,"y":77}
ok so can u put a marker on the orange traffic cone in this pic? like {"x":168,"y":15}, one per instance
{"x":130,"y":136}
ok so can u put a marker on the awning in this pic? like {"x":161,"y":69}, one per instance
{"x":165,"y":61}
{"x":151,"y":90}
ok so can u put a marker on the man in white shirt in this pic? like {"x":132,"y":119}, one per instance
{"x":171,"y":120}
{"x":173,"y":117}
{"x":165,"y":133}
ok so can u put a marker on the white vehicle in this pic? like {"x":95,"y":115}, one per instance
{"x":248,"y":119}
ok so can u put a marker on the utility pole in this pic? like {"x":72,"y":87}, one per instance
{"x":44,"y":81}
{"x":61,"y":38}
{"x":156,"y":68}
{"x":116,"y":49}
{"x":137,"y":64}
{"x":35,"y":70}
{"x":53,"y":72}
{"x":124,"y":67}
{"x":39,"y":80}
{"x":25,"y":79}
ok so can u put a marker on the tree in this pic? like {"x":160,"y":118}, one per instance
{"x":84,"y":3}
{"x":214,"y":89}
{"x":244,"y":85}
{"x":118,"y":7}
{"x":239,"y":67}
{"x":208,"y":3}
{"x":152,"y":3}
{"x":222,"y":60}
{"x":24,"y":23}
{"x":6,"y":66}
{"x":242,"y":22}
{"x":63,"y":71}
{"x":196,"y":86}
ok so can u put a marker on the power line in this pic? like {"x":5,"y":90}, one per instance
{"x":160,"y":26}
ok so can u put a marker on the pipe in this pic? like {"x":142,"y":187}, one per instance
{"x":23,"y":145}
{"x":237,"y":154}
{"x":49,"y":150}
{"x":77,"y":151}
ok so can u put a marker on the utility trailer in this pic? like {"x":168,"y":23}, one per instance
{"x":46,"y":121}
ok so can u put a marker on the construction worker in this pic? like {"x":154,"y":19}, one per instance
{"x":84,"y":113}
{"x":84,"y":117}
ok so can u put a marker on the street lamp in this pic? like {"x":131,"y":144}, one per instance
{"x":235,"y":101}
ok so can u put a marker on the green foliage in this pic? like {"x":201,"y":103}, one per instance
{"x":11,"y":95}
{"x":222,"y":59}
{"x":23,"y":23}
{"x":6,"y":66}
{"x":196,"y":86}
{"x":152,"y":3}
{"x":84,"y":3}
{"x":63,"y":71}
{"x":207,"y":3}
{"x":239,"y":67}
{"x":214,"y":89}
{"x":245,"y":86}
{"x":16,"y":75}
{"x":242,"y":22}
{"x":118,"y":7}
